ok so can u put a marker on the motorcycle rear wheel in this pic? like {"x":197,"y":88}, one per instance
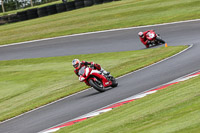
{"x":161,"y":41}
{"x":97,"y":86}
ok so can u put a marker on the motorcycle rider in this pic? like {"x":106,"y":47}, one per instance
{"x":143,"y":38}
{"x":77,"y":64}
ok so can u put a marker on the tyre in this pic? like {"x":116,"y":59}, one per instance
{"x":51,"y":9}
{"x":3,"y":20}
{"x":160,"y":41}
{"x":70,"y":6}
{"x":88,"y":3}
{"x":32,"y":13}
{"x":22,"y":16}
{"x":98,"y":1}
{"x":105,"y":1}
{"x":60,"y":7}
{"x":97,"y":85}
{"x":42,"y":12}
{"x":12,"y":18}
{"x":114,"y":82}
{"x":79,"y":4}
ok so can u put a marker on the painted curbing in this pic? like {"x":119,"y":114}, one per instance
{"x":120,"y":103}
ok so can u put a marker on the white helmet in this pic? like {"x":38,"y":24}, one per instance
{"x":140,"y":34}
{"x":76,"y":63}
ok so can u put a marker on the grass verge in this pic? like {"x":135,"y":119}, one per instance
{"x":29,"y":83}
{"x":175,"y":109}
{"x":125,"y":13}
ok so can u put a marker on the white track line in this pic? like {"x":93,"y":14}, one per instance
{"x":88,"y":33}
{"x":90,"y":88}
{"x":190,"y":46}
{"x":95,"y":33}
{"x":106,"y":109}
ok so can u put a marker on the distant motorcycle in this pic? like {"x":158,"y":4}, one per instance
{"x":96,"y":79}
{"x":154,"y":38}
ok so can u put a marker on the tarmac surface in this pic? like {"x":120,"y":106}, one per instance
{"x":119,"y":40}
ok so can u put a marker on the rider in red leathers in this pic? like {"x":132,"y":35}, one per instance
{"x":143,"y":38}
{"x":79,"y":64}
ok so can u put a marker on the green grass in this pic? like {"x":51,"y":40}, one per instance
{"x":112,"y":15}
{"x":29,"y":83}
{"x":175,"y":109}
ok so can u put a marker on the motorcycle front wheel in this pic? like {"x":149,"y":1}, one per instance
{"x":114,"y":82}
{"x":97,"y":85}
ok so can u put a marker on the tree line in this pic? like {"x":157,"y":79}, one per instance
{"x":9,"y":5}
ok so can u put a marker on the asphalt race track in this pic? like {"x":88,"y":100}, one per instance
{"x":121,"y":40}
{"x":90,"y":100}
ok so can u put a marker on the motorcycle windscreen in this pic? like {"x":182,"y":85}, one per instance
{"x":82,"y":70}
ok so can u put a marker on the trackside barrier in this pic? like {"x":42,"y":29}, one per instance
{"x":79,"y":4}
{"x":12,"y":18}
{"x":61,"y":7}
{"x":32,"y":13}
{"x":42,"y":12}
{"x":88,"y":3}
{"x":70,"y":6}
{"x":98,"y":1}
{"x":49,"y":10}
{"x":22,"y":15}
{"x":107,"y":1}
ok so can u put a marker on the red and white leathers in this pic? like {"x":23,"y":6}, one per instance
{"x":144,"y":40}
{"x":85,"y":64}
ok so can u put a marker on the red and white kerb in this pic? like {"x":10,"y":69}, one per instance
{"x":120,"y":103}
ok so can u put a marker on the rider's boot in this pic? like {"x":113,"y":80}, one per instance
{"x":104,"y":71}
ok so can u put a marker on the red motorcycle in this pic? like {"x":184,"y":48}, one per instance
{"x":154,"y":38}
{"x":96,"y":79}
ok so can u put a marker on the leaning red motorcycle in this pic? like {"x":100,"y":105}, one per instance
{"x":154,"y":38}
{"x":96,"y":79}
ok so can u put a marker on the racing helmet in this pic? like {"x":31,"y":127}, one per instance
{"x":76,"y":63}
{"x":140,"y":34}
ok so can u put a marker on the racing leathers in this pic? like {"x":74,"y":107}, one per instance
{"x":85,"y":64}
{"x":144,"y":40}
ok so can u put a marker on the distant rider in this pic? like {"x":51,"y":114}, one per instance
{"x":143,"y":38}
{"x":79,"y":64}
